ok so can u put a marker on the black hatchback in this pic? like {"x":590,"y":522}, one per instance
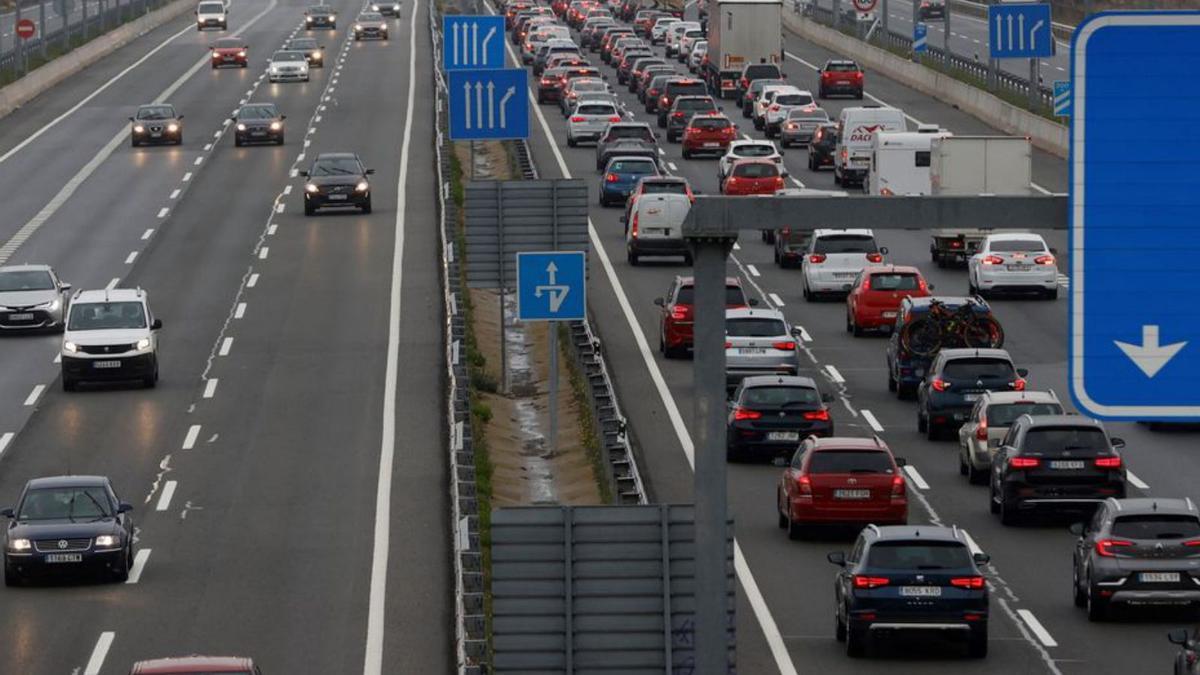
{"x":822,"y":147}
{"x":258,"y":123}
{"x":955,"y":381}
{"x":905,"y":579}
{"x":770,"y":414}
{"x":337,"y":179}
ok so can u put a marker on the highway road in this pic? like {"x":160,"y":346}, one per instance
{"x":286,"y":473}
{"x":786,"y":596}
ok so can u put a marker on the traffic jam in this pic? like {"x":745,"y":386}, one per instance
{"x":653,"y":109}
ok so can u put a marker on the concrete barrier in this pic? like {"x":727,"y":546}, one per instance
{"x":41,"y":79}
{"x":1045,"y":134}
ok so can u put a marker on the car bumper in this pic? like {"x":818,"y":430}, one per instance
{"x":321,"y":24}
{"x":1177,"y":596}
{"x":35,"y":564}
{"x":823,"y":160}
{"x":841,"y":88}
{"x":289,"y":76}
{"x":1063,"y":498}
{"x":910,"y":373}
{"x":829,"y":512}
{"x":798,"y":137}
{"x":874,"y":317}
{"x":755,"y":443}
{"x":320,"y":200}
{"x":995,"y":280}
{"x":38,"y":319}
{"x":952,"y":413}
{"x":678,"y":334}
{"x":217,"y":63}
{"x":149,"y":138}
{"x":251,"y":136}
{"x":979,"y":455}
{"x":658,"y":246}
{"x":133,"y":367}
{"x":389,"y":11}
{"x":718,"y":147}
{"x":831,"y":281}
{"x":548,"y":93}
{"x":371,"y":34}
{"x":736,"y":372}
{"x":584,"y":134}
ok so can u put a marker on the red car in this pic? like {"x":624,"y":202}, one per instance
{"x":708,"y":133}
{"x":752,"y":177}
{"x":229,"y":52}
{"x":198,"y":665}
{"x":675,"y":328}
{"x":875,"y":297}
{"x":841,"y":480}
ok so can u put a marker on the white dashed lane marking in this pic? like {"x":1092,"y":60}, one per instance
{"x":240,"y":311}
{"x":131,"y":257}
{"x":1137,"y":482}
{"x":99,"y":653}
{"x":210,"y":387}
{"x":139,"y":565}
{"x":5,"y":440}
{"x":753,"y":270}
{"x":916,"y":477}
{"x":226,"y":345}
{"x":252,"y":281}
{"x":262,"y":253}
{"x":33,"y":395}
{"x":162,"y":213}
{"x":164,"y":500}
{"x":1039,"y":631}
{"x":776,"y":299}
{"x":189,"y":441}
{"x":870,"y":418}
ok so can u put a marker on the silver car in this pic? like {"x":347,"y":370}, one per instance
{"x":370,"y":25}
{"x":589,"y":120}
{"x":988,"y":423}
{"x":758,"y":342}
{"x":288,"y":66}
{"x":699,"y":51}
{"x":800,"y":125}
{"x":32,"y":297}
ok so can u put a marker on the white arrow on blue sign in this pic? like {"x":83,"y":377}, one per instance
{"x":551,"y":286}
{"x":1020,"y":31}
{"x":1134,"y":348}
{"x":920,"y":37}
{"x":473,"y":42}
{"x":488,"y":104}
{"x":1062,"y":98}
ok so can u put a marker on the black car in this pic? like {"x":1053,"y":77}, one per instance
{"x":902,"y":579}
{"x":769,"y":414}
{"x":1138,"y":552}
{"x":681,"y":113}
{"x":156,"y":123}
{"x":68,"y":525}
{"x":756,"y":71}
{"x":313,"y":52}
{"x":1187,"y":661}
{"x":932,"y":9}
{"x":840,"y":76}
{"x":258,"y":123}
{"x":1060,"y":462}
{"x":822,"y":146}
{"x":638,"y":85}
{"x":681,"y":86}
{"x":625,"y":67}
{"x":954,"y":382}
{"x":337,"y":179}
{"x":753,"y":92}
{"x":649,"y":94}
{"x":320,"y":16}
{"x":906,"y":370}
{"x":388,"y":8}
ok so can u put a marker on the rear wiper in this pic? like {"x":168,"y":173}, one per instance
{"x":931,"y":567}
{"x":1079,"y":447}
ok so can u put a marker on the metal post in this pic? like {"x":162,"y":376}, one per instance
{"x":85,"y":20}
{"x":710,"y":490}
{"x":916,"y":18}
{"x":65,"y":10}
{"x":552,"y":445}
{"x":993,"y":64}
{"x":883,"y":5}
{"x":1035,"y":89}
{"x":19,"y":64}
{"x":946,"y":33}
{"x":837,"y":13}
{"x":42,"y":28}
{"x":501,"y":257}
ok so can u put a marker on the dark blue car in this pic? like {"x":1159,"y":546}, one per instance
{"x":906,"y":370}
{"x":904,"y":579}
{"x":621,"y":175}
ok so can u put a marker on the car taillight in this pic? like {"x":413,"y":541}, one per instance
{"x":973,"y":583}
{"x":614,"y":118}
{"x":897,"y":486}
{"x":981,"y":431}
{"x":816,"y":258}
{"x":1104,"y":547}
{"x":1018,"y":384}
{"x":826,"y":75}
{"x":821,"y":415}
{"x":745,"y":83}
{"x":993,"y":260}
{"x":774,"y":107}
{"x":864,"y":581}
{"x":611,"y":178}
{"x":1024,"y":462}
{"x":578,"y":118}
{"x":677,"y":115}
{"x":663,"y":101}
{"x":779,"y":185}
{"x":729,"y":131}
{"x":804,"y":485}
{"x":746,"y":414}
{"x":845,"y":155}
{"x":547,"y":81}
{"x":858,"y":75}
{"x":1108,"y":462}
{"x":679,"y":312}
{"x":732,"y":181}
{"x":1192,"y":543}
{"x":875,"y":257}
{"x":1044,"y":260}
{"x":939,"y":384}
{"x":922,"y":286}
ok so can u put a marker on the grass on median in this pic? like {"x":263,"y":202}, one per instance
{"x":588,"y":430}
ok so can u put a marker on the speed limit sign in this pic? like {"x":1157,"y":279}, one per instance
{"x":864,"y":5}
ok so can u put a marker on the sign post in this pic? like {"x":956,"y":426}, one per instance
{"x":25,"y":29}
{"x":1062,"y":98}
{"x":920,"y":40}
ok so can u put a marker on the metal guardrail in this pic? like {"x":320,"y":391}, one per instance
{"x":113,"y":13}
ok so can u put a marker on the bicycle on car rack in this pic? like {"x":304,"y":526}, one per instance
{"x":943,"y":327}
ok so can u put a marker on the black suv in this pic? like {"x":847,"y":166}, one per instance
{"x":955,"y":380}
{"x":1140,"y":552}
{"x":682,"y":111}
{"x":905,"y":578}
{"x":906,"y":370}
{"x":1066,"y":462}
{"x":756,"y":71}
{"x":683,"y":86}
{"x":822,"y":146}
{"x":769,"y":414}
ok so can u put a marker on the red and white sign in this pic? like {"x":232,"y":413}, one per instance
{"x":864,"y":5}
{"x":26,"y":28}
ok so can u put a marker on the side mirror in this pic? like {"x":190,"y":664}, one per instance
{"x":1023,"y":372}
{"x":131,"y":118}
{"x":981,"y":558}
{"x":156,"y":324}
{"x":180,"y":117}
{"x":283,"y":117}
{"x":753,"y":302}
{"x":837,"y":558}
{"x":660,"y":302}
{"x":1053,"y":251}
{"x":1117,"y":442}
{"x":303,"y":174}
{"x":1179,"y":636}
{"x":66,"y":287}
{"x":883,"y":250}
{"x":7,"y":513}
{"x":901,"y":461}
{"x":370,"y":172}
{"x":1076,"y":529}
{"x":624,"y":219}
{"x":124,"y":507}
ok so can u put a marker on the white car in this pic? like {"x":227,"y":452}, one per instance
{"x":1013,"y":262}
{"x":675,"y":33}
{"x":211,"y":14}
{"x":764,"y":101}
{"x":657,"y":33}
{"x":781,"y":104}
{"x":699,"y":51}
{"x":287,"y":66}
{"x":689,"y":39}
{"x":589,"y":120}
{"x":110,"y":335}
{"x":748,"y":150}
{"x":835,"y":257}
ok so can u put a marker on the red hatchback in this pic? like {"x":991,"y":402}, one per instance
{"x":229,"y":52}
{"x":753,"y":177}
{"x":206,"y":665}
{"x":875,"y":297}
{"x":708,"y":133}
{"x":675,"y":328}
{"x":841,"y":480}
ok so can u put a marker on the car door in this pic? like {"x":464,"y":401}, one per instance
{"x":935,"y":370}
{"x":968,"y":428}
{"x":852,"y":298}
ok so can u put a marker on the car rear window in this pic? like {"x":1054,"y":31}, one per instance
{"x":596,"y":109}
{"x":1004,"y":414}
{"x":631,"y":166}
{"x":710,"y":123}
{"x":757,"y":150}
{"x":1017,"y":246}
{"x":911,"y":555}
{"x":643,"y":133}
{"x":807,"y":114}
{"x":694,"y":104}
{"x":1155,"y":526}
{"x":842,"y":67}
{"x":780,"y":396}
{"x":793,"y":99}
{"x":1054,"y":441}
{"x":655,"y":187}
{"x":686,"y":89}
{"x":734,"y":295}
{"x":755,"y":327}
{"x":894,"y":281}
{"x":845,"y":243}
{"x":756,"y":170}
{"x":589,"y":85}
{"x":850,"y":461}
{"x":977,"y":369}
{"x":762,"y":70}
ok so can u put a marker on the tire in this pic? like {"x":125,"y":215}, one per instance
{"x":308,"y":210}
{"x":859,"y":95}
{"x":856,"y":642}
{"x":687,"y":154}
{"x":922,"y":422}
{"x":812,"y":166}
{"x":133,"y":142}
{"x":1051,"y":294}
{"x":971,"y":290}
{"x":280,"y":139}
{"x":1097,"y":609}
{"x":121,"y":574}
{"x":922,"y":337}
{"x":1008,"y":515}
{"x":891,"y":380}
{"x":631,"y":257}
{"x":1079,"y":594}
{"x":976,"y":476}
{"x":150,"y":381}
{"x":977,"y":643}
{"x":795,"y":531}
{"x":540,"y":98}
{"x":571,"y":142}
{"x":237,"y":142}
{"x":687,"y":259}
{"x":839,"y":628}
{"x":366,"y":208}
{"x":963,"y":468}
{"x":933,"y":432}
{"x":855,"y":328}
{"x":982,"y":333}
{"x":12,"y":579}
{"x":69,"y":384}
{"x":837,"y":180}
{"x":783,"y":519}
{"x":993,"y":505}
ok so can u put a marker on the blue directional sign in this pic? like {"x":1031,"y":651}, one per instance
{"x":488,"y":105}
{"x":920,"y":37}
{"x":1062,"y":98}
{"x":472,"y":42}
{"x":1020,"y":31}
{"x":1135,"y":338}
{"x":551,"y":286}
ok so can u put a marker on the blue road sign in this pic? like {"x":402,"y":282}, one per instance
{"x":473,"y":42}
{"x":920,"y":37}
{"x":1020,"y":31}
{"x":551,"y":286}
{"x":488,"y":104}
{"x":1134,"y":348}
{"x":1062,"y":98}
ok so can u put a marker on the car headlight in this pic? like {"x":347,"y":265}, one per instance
{"x":242,"y":54}
{"x":241,"y":127}
{"x":108,"y":541}
{"x":357,"y":27}
{"x":52,"y":305}
{"x":374,"y":8}
{"x":172,"y":128}
{"x":137,"y":128}
{"x":274,"y":70}
{"x":362,"y":186}
{"x":276,"y":126}
{"x":70,"y":346}
{"x":316,"y":56}
{"x":396,"y":8}
{"x":332,"y":17}
{"x":312,"y":188}
{"x":19,"y":544}
{"x":144,"y":343}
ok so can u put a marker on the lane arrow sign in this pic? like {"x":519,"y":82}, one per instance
{"x":1150,"y":356}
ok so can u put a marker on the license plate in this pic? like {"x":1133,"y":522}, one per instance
{"x":64,"y":557}
{"x":889,"y":315}
{"x":851,"y":494}
{"x":752,"y":350}
{"x":1019,"y":268}
{"x":156,"y":134}
{"x":337,"y":198}
{"x":23,"y":316}
{"x":919,"y":372}
{"x":1067,"y":464}
{"x":844,"y":275}
{"x":258,"y":133}
{"x":783,"y":436}
{"x":1158,"y":577}
{"x":842,"y":82}
{"x":921,"y":591}
{"x":712,"y":145}
{"x":970,"y":397}
{"x":106,"y":364}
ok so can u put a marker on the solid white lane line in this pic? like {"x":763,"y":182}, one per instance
{"x":1137,"y":482}
{"x":226,"y":345}
{"x":164,"y":499}
{"x":240,"y":311}
{"x":113,"y":283}
{"x":252,"y":281}
{"x":100,"y":652}
{"x":148,"y":233}
{"x":210,"y":387}
{"x":776,"y":299}
{"x":916,"y":477}
{"x":189,"y":441}
{"x":175,"y":193}
{"x":834,"y":374}
{"x":262,"y":253}
{"x":377,"y":601}
{"x":5,"y":440}
{"x":753,"y":270}
{"x":870,"y":418}
{"x":131,"y":257}
{"x":1037,"y":628}
{"x":162,"y":213}
{"x":139,"y":565}
{"x":33,"y":395}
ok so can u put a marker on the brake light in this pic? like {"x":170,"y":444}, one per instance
{"x":746,"y":414}
{"x":1044,"y":260}
{"x":863,"y":581}
{"x":866,"y":284}
{"x":1108,"y":462}
{"x":547,"y":81}
{"x":779,"y":183}
{"x":774,"y":107}
{"x":981,"y":431}
{"x":728,"y":344}
{"x":826,"y":75}
{"x":1024,"y":462}
{"x":745,"y":83}
{"x":1018,"y":384}
{"x":611,"y":178}
{"x":633,"y":232}
{"x":664,"y":101}
{"x":816,"y":258}
{"x":578,"y":118}
{"x":679,"y":312}
{"x":921,"y":285}
{"x":1104,"y":547}
{"x":731,"y":182}
{"x":875,"y":257}
{"x":993,"y":260}
{"x":845,"y":155}
{"x":939,"y":384}
{"x":1192,"y":543}
{"x":821,"y":415}
{"x":858,"y":75}
{"x":729,"y":131}
{"x":804,"y":485}
{"x":897,"y":486}
{"x":973,"y":583}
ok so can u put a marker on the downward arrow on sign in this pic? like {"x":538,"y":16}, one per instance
{"x":1149,"y":356}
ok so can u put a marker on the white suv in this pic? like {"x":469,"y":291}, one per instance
{"x":211,"y":14}
{"x":110,"y":335}
{"x":835,"y":257}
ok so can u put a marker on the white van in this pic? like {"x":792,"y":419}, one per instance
{"x":211,"y":14}
{"x":654,"y":227}
{"x":901,"y":161}
{"x":857,"y":127}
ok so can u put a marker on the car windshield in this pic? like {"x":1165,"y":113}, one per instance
{"x":756,"y":170}
{"x":842,"y":67}
{"x":257,"y":112}
{"x":694,"y":34}
{"x":288,"y":56}
{"x":341,"y":166}
{"x":642,"y":133}
{"x":65,"y":503}
{"x":158,"y":112}
{"x":630,"y":166}
{"x":710,"y":123}
{"x":228,"y":43}
{"x":780,"y":396}
{"x":761,"y":70}
{"x":211,"y":8}
{"x":370,"y":16}
{"x":1004,"y":414}
{"x":1054,"y":441}
{"x":1155,"y":526}
{"x":596,"y":109}
{"x":845,"y":243}
{"x":978,"y":369}
{"x":302,"y":44}
{"x":666,"y":187}
{"x":323,"y":9}
{"x":733,"y":296}
{"x":755,"y":327}
{"x":894,"y":281}
{"x":106,"y":316}
{"x":754,"y":150}
{"x":1017,"y":246}
{"x":926,"y":555}
{"x":26,"y":280}
{"x":850,"y":461}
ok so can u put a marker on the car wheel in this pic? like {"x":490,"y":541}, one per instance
{"x":121,"y":574}
{"x":687,"y":154}
{"x":179,"y":141}
{"x":795,"y":531}
{"x":976,"y":476}
{"x":366,"y":208}
{"x":281,"y":139}
{"x":836,"y":179}
{"x":977,"y":645}
{"x":856,"y":642}
{"x":237,"y":142}
{"x":859,"y":95}
{"x":1079,"y":594}
{"x":855,"y":328}
{"x":1097,"y":609}
{"x":632,"y":258}
{"x":993,"y":503}
{"x":971,"y":289}
{"x":905,"y":392}
{"x":570,"y":142}
{"x":933,"y":431}
{"x":808,"y":295}
{"x":775,"y":254}
{"x":68,"y":383}
{"x":215,"y":66}
{"x":839,"y":627}
{"x":308,"y":209}
{"x":922,"y":422}
{"x":963,"y":469}
{"x":891,"y":380}
{"x":150,"y":381}
{"x":687,"y":259}
{"x":11,"y":578}
{"x":783,"y":519}
{"x":1008,"y":514}
{"x":1051,"y":294}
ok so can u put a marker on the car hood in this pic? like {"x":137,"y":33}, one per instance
{"x":335,"y":180}
{"x":371,"y":24}
{"x":258,"y":122}
{"x":110,"y":336}
{"x":61,"y":529}
{"x":293,"y":64}
{"x":26,"y":298}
